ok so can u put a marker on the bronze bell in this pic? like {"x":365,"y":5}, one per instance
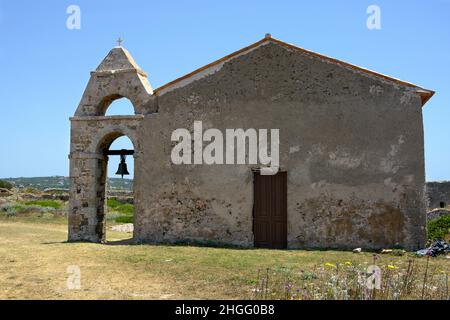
{"x":123,"y":170}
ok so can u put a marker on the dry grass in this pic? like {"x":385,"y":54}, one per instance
{"x":34,"y":259}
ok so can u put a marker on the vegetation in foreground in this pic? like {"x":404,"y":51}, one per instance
{"x":439,"y":228}
{"x":35,"y":263}
{"x":408,"y":279}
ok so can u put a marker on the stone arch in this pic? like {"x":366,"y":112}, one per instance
{"x":106,"y":139}
{"x":117,"y":76}
{"x":103,"y":145}
{"x":102,"y":91}
{"x":88,"y":171}
{"x":107,"y":101}
{"x":111,"y":104}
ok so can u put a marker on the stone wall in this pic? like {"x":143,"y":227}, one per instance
{"x":354,"y":155}
{"x":438,"y":194}
{"x":351,"y":143}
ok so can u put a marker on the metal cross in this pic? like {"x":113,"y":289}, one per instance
{"x":119,"y":41}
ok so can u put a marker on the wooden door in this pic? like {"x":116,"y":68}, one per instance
{"x":270,"y":211}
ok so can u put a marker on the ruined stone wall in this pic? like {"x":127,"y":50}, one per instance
{"x":438,"y":194}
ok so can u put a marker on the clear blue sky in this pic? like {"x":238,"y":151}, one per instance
{"x":45,"y":66}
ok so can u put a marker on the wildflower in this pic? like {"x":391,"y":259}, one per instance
{"x":330,"y":265}
{"x":348,"y":263}
{"x":391,"y":266}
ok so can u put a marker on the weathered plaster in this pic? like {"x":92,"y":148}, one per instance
{"x":352,"y":145}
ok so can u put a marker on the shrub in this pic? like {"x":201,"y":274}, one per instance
{"x":9,"y":209}
{"x":14,"y":210}
{"x":6,"y":185}
{"x":439,"y":229}
{"x":35,"y":209}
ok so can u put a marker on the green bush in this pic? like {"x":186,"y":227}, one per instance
{"x":9,"y":209}
{"x":6,"y":185}
{"x":439,"y":229}
{"x":45,"y":203}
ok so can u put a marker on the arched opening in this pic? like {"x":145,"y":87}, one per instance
{"x":116,"y":192}
{"x":117,"y":105}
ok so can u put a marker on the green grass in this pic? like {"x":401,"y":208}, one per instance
{"x":121,"y":212}
{"x":119,"y":207}
{"x":34,"y":257}
{"x":45,"y":203}
{"x":124,"y":219}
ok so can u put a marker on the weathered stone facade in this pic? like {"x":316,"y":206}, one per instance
{"x":351,"y":142}
{"x":438,"y":194}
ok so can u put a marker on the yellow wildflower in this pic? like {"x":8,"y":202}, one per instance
{"x":330,"y":265}
{"x":391,"y":266}
{"x":348,"y":263}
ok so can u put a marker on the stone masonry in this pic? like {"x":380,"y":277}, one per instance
{"x":351,"y":142}
{"x":438,"y":194}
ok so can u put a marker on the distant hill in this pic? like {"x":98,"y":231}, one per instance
{"x":42,"y":183}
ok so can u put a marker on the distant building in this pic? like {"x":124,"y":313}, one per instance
{"x":438,"y":194}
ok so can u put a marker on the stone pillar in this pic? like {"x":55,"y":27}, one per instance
{"x":137,"y":196}
{"x":87,"y":197}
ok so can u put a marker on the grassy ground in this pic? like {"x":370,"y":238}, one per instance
{"x":34,"y":258}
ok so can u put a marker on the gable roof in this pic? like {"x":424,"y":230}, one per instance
{"x":425,"y":94}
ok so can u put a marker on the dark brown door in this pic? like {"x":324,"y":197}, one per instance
{"x":270,"y":211}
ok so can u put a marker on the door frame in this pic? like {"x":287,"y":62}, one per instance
{"x":284,"y":219}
